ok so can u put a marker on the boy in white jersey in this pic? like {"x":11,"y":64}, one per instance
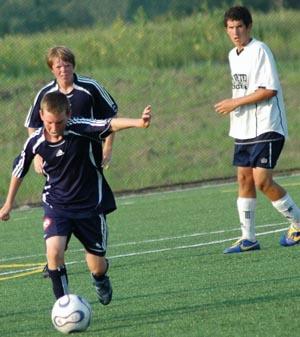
{"x":258,"y":125}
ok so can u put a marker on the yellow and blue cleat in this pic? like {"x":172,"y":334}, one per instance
{"x":291,"y":238}
{"x":241,"y":246}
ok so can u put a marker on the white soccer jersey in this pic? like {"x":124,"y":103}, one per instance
{"x":255,"y":67}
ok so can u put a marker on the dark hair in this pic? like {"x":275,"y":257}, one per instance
{"x":238,"y":13}
{"x":62,"y":53}
{"x":56,"y":103}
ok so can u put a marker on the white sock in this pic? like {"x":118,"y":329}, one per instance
{"x":287,"y":207}
{"x":246,"y":208}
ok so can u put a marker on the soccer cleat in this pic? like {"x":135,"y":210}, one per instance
{"x":103,"y":289}
{"x":242,"y":245}
{"x":291,"y":238}
{"x":45,"y":271}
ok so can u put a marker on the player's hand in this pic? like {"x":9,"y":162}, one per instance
{"x":107,"y":148}
{"x":38,"y":164}
{"x":146,"y":116}
{"x":226,"y":106}
{"x":4,"y":213}
{"x":106,"y":155}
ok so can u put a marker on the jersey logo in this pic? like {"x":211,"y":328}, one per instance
{"x":239,"y":81}
{"x":59,"y":153}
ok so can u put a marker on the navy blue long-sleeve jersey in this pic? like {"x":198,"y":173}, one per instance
{"x":75,"y":185}
{"x":88,"y":99}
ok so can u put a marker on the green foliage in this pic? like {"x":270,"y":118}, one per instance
{"x":172,"y":43}
{"x":42,"y":15}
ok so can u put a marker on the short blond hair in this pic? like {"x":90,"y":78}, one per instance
{"x":56,"y":103}
{"x":61,"y":52}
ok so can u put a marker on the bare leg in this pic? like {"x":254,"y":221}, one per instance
{"x":55,"y":247}
{"x":98,"y":266}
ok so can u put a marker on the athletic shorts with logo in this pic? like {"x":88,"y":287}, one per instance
{"x":92,"y":232}
{"x":262,"y":151}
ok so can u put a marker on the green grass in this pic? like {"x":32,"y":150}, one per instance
{"x":169,"y":274}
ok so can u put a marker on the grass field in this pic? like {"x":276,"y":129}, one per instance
{"x":168,"y":271}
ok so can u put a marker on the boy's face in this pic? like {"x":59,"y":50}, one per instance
{"x":238,"y":33}
{"x":54,"y":124}
{"x":62,"y":70}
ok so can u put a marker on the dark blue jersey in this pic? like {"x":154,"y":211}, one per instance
{"x":75,"y":185}
{"x":88,"y":99}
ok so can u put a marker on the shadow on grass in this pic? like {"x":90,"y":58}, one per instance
{"x":160,"y":316}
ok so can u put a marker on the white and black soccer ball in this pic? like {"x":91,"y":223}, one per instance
{"x":71,"y":313}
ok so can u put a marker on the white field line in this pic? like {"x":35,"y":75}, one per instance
{"x":16,"y":271}
{"x":153,"y":251}
{"x":150,"y":241}
{"x":192,"y":246}
{"x":131,"y":243}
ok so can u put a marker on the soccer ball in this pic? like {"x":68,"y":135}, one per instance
{"x":71,"y":313}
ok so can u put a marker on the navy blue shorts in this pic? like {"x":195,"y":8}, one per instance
{"x":91,"y":232}
{"x":258,"y":152}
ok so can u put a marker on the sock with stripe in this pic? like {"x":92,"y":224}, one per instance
{"x":287,"y":207}
{"x":59,"y":280}
{"x":246,"y":209}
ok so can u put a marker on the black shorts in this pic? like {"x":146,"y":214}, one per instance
{"x":262,"y":151}
{"x":91,"y":232}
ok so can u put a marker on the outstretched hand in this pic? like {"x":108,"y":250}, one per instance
{"x":146,"y":116}
{"x":143,"y":122}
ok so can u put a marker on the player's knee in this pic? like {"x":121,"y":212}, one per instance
{"x":246,"y":182}
{"x":55,"y":257}
{"x":264,"y":185}
{"x":98,"y":265}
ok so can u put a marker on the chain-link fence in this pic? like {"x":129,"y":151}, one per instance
{"x":179,"y":66}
